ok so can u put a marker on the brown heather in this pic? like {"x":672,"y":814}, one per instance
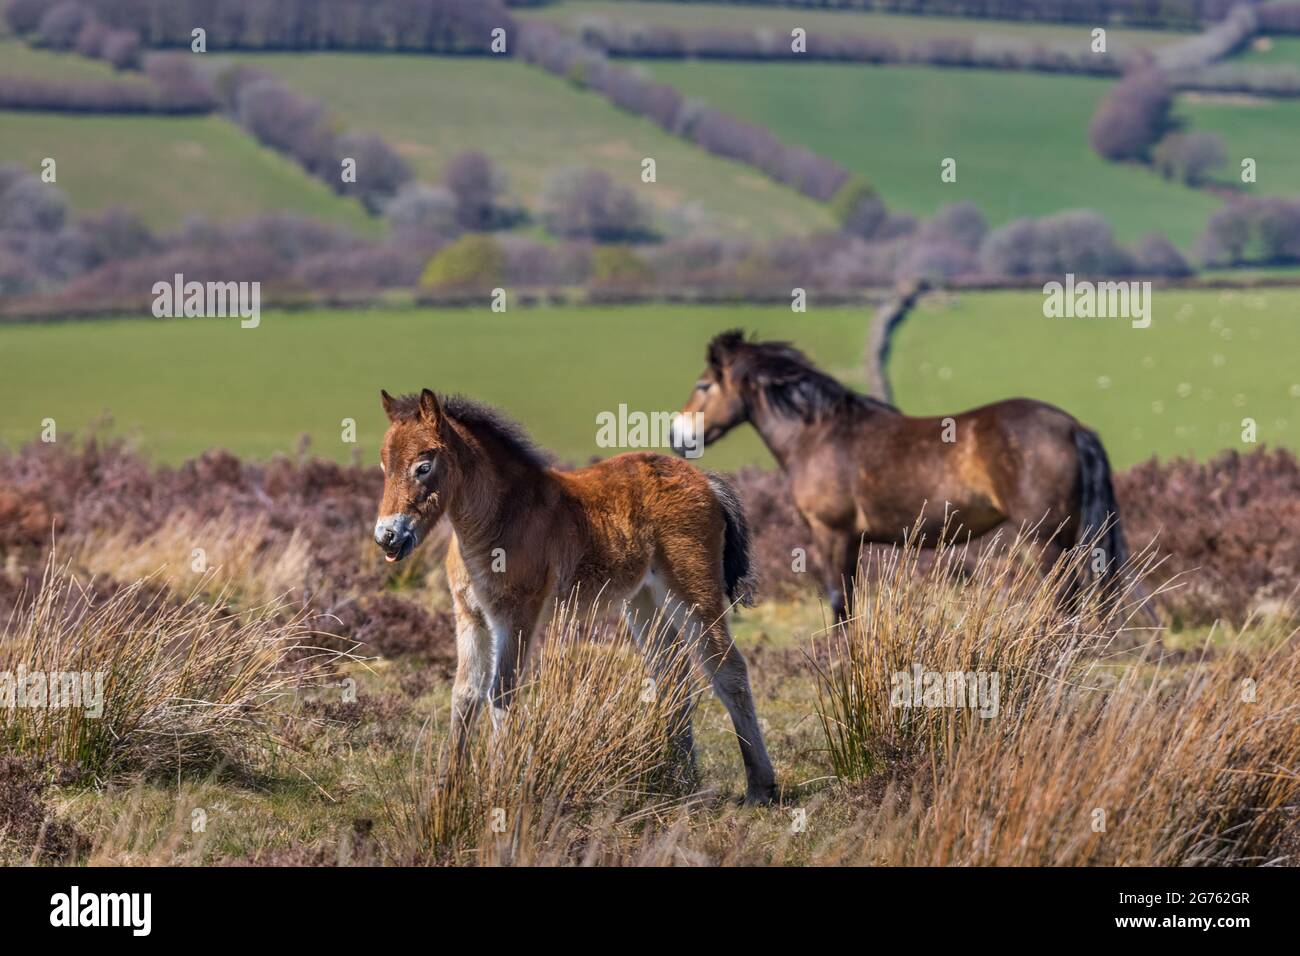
{"x":1111,"y":745}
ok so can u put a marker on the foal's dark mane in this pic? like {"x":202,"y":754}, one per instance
{"x":482,"y":420}
{"x":788,"y":379}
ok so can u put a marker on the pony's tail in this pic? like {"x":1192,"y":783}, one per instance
{"x":1098,"y":508}
{"x":737,"y":563}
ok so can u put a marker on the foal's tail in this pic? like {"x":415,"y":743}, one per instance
{"x":737,"y":563}
{"x":1098,"y":508}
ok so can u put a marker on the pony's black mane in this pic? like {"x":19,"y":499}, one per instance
{"x":790,"y":382}
{"x":480,"y":419}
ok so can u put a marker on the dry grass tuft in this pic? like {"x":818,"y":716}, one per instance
{"x":1092,"y":756}
{"x":584,"y":747}
{"x":999,"y":622}
{"x":164,"y":682}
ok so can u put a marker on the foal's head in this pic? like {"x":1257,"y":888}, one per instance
{"x":420,"y":471}
{"x":717,"y":403}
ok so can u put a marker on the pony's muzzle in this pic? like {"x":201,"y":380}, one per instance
{"x":395,"y":534}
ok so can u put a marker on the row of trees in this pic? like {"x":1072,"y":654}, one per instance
{"x":1189,"y":158}
{"x":41,"y":247}
{"x":556,"y":52}
{"x":1078,"y":241}
{"x":576,"y":203}
{"x":71,"y":25}
{"x":1132,"y":117}
{"x":1225,"y":37}
{"x":1253,"y":229}
{"x":351,"y":163}
{"x":1279,"y":17}
{"x":1237,"y":77}
{"x":441,"y":26}
{"x":620,"y":39}
{"x":955,"y":244}
{"x":111,"y":260}
{"x":1176,"y":14}
{"x":172,"y":91}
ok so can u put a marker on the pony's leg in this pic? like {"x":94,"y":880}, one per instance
{"x":726,"y":668}
{"x":474,"y":655}
{"x":706,"y":631}
{"x":512,"y":635}
{"x":656,"y":628}
{"x":839,"y":553}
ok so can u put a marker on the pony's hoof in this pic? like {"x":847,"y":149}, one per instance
{"x":762,"y":796}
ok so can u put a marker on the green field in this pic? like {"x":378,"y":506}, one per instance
{"x":18,"y":58}
{"x":1271,"y":51}
{"x":167,"y":168}
{"x":1020,"y":139}
{"x":531,"y":123}
{"x":1182,"y":386}
{"x":180,"y":387}
{"x":1266,"y":130}
{"x":1074,"y":37}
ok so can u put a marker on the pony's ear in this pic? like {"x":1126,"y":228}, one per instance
{"x":723,"y":348}
{"x":430,"y":407}
{"x":390,"y":405}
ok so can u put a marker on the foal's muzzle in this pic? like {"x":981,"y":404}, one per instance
{"x":395,"y":534}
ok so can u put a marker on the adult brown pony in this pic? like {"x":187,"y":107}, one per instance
{"x":651,"y":531}
{"x":862,"y":471}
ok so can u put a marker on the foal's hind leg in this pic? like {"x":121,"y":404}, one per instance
{"x":657,"y":631}
{"x":726,"y":667}
{"x":706,"y":631}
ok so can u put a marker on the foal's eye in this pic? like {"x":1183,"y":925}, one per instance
{"x":702,"y":386}
{"x":423,"y":468}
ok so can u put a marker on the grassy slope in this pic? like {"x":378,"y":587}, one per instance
{"x":1162,"y":391}
{"x":167,"y":168}
{"x":185,"y":386}
{"x":180,"y":387}
{"x":1266,"y":130}
{"x":17,"y":57}
{"x":903,"y":28}
{"x":1020,"y":139}
{"x":164,"y":168}
{"x":1272,"y":51}
{"x":531,"y":123}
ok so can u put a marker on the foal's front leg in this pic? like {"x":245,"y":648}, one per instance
{"x":512,"y":632}
{"x":474,"y":669}
{"x":474,"y":652}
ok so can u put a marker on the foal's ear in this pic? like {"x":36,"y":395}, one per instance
{"x":430,"y":407}
{"x":390,"y":405}
{"x":723,"y":348}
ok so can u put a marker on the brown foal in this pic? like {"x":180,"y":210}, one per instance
{"x":647,"y":530}
{"x":862,"y":471}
